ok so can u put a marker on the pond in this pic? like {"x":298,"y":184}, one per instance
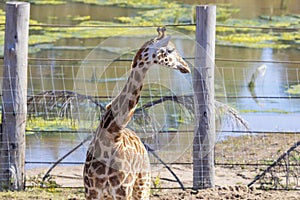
{"x":232,"y":78}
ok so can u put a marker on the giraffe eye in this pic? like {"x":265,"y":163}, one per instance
{"x":170,"y":49}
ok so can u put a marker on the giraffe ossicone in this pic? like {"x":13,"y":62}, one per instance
{"x":117,"y":163}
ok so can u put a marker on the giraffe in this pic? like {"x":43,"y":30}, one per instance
{"x":117,"y":163}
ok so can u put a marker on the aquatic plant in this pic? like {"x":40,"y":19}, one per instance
{"x":129,"y":3}
{"x":293,"y":90}
{"x":47,"y":2}
{"x":230,"y":31}
{"x":40,"y":39}
{"x":173,"y":14}
{"x":79,"y":18}
{"x":2,"y":18}
{"x":254,"y":40}
{"x":272,"y":110}
{"x":281,"y":32}
{"x":2,"y":21}
{"x":54,"y":111}
{"x":225,"y":12}
{"x":57,"y":124}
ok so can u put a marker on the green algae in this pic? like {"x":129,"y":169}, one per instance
{"x":149,"y":4}
{"x":230,"y":31}
{"x":47,"y":2}
{"x":273,"y":110}
{"x":294,"y":90}
{"x":37,"y":124}
{"x":275,"y":32}
{"x":40,"y":39}
{"x":79,"y":18}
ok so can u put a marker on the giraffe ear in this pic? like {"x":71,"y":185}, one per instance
{"x":163,"y":42}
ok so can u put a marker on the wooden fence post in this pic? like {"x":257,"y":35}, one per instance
{"x":14,"y":97}
{"x":204,"y":134}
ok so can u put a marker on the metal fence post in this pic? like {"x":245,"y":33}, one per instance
{"x":204,"y":134}
{"x":14,"y":97}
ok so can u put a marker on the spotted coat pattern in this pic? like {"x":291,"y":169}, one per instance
{"x":117,"y":164}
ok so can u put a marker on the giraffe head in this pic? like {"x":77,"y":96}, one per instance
{"x":161,"y":51}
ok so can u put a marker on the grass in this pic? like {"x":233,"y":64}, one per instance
{"x":44,"y":194}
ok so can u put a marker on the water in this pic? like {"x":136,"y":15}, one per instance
{"x":49,"y":147}
{"x":253,"y":8}
{"x":269,"y":114}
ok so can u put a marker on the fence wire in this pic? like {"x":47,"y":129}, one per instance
{"x":59,"y":118}
{"x":65,"y":105}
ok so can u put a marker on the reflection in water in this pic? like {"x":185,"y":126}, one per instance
{"x":259,"y":73}
{"x":65,"y":13}
{"x":50,"y":147}
{"x":254,"y":8}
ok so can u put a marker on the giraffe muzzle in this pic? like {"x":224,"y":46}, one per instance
{"x":184,"y":69}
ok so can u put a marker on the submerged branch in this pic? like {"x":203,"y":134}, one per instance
{"x":62,"y":102}
{"x":224,"y":111}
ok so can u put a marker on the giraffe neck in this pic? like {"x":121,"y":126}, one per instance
{"x":121,"y":109}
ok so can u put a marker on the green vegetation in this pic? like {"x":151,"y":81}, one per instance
{"x":294,"y":90}
{"x":156,"y":182}
{"x":273,"y":110}
{"x":279,"y":37}
{"x":177,"y":13}
{"x":174,"y":13}
{"x":44,"y":194}
{"x":230,"y":31}
{"x":49,"y":183}
{"x":2,"y":28}
{"x":58,"y":124}
{"x":47,"y":2}
{"x":131,"y":3}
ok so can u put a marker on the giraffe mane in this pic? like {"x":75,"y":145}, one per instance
{"x":161,"y":34}
{"x":140,"y":51}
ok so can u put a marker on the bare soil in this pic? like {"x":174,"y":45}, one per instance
{"x":231,"y":181}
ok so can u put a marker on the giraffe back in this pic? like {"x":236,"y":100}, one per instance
{"x":118,"y":168}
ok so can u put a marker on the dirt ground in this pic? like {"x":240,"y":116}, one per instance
{"x":231,"y":181}
{"x":226,"y":192}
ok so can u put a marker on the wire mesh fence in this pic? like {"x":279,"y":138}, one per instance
{"x":65,"y":103}
{"x":61,"y":115}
